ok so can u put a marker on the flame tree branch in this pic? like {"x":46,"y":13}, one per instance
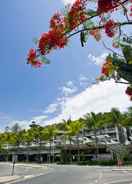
{"x":100,"y":27}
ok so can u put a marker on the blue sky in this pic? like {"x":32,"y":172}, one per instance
{"x":42,"y":94}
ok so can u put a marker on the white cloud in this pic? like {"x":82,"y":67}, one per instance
{"x":97,"y":98}
{"x":40,"y":119}
{"x":70,"y":84}
{"x":68,"y":89}
{"x":52,"y":108}
{"x":23,"y":124}
{"x":84,"y":81}
{"x":98,"y":60}
{"x":83,"y":78}
{"x":66,"y":2}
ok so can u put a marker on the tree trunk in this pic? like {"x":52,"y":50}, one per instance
{"x":96,"y":145}
{"x":128,"y":131}
{"x":28,"y":151}
{"x":70,"y":150}
{"x":78,"y":150}
{"x":40,"y":148}
{"x":50,"y":151}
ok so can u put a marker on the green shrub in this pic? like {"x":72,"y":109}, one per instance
{"x":98,"y":162}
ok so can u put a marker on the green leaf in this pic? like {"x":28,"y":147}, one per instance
{"x":83,"y":37}
{"x":127,"y":52}
{"x":44,"y":60}
{"x":91,"y":12}
{"x":88,"y":24}
{"x":125,"y":42}
{"x":125,"y":75}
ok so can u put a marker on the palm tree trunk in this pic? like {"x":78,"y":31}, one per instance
{"x":96,"y":144}
{"x":78,"y":150}
{"x":27,"y":155}
{"x":70,"y":150}
{"x":40,"y":148}
{"x":50,"y":152}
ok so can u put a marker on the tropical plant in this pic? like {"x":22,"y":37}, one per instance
{"x":49,"y":134}
{"x":28,"y":140}
{"x":36,"y":134}
{"x":117,"y":120}
{"x":92,"y":121}
{"x":85,"y":19}
{"x":72,"y":129}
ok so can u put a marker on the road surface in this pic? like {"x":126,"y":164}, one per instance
{"x":81,"y":175}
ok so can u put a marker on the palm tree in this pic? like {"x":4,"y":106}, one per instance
{"x":17,"y":135}
{"x":92,"y":121}
{"x":28,"y":139}
{"x":117,"y":120}
{"x":36,"y":135}
{"x":6,"y":138}
{"x":73,"y":128}
{"x":127,"y":122}
{"x":49,"y":133}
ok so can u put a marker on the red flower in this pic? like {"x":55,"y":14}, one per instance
{"x":129,"y":91}
{"x":52,"y":40}
{"x":110,"y":28}
{"x":36,"y":63}
{"x":107,"y":66}
{"x":106,"y":5}
{"x":131,"y":9}
{"x":77,"y":13}
{"x":58,"y":22}
{"x":32,"y":59}
{"x":96,"y":34}
{"x":43,"y":43}
{"x":31,"y":54}
{"x":105,"y":70}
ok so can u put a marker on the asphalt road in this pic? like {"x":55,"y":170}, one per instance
{"x":81,"y":175}
{"x":72,"y":175}
{"x":21,"y":169}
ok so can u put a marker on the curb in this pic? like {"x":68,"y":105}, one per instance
{"x":120,"y":182}
{"x":122,"y":169}
{"x":9,"y":180}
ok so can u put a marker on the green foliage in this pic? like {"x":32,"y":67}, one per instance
{"x":74,"y":127}
{"x":91,"y":121}
{"x":44,"y":60}
{"x":91,"y":12}
{"x":127,"y":52}
{"x":98,"y":162}
{"x":121,"y":151}
{"x":49,"y":132}
{"x":83,"y":37}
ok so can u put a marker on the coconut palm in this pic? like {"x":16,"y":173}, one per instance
{"x":6,"y":139}
{"x":73,"y":128}
{"x":49,"y":133}
{"x":35,"y":134}
{"x":127,"y":122}
{"x":117,"y":121}
{"x":28,"y":139}
{"x":92,"y":121}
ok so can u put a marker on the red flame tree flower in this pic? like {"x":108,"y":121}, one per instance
{"x":79,"y":19}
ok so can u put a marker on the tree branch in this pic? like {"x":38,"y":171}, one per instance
{"x":99,"y":27}
{"x":98,"y":14}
